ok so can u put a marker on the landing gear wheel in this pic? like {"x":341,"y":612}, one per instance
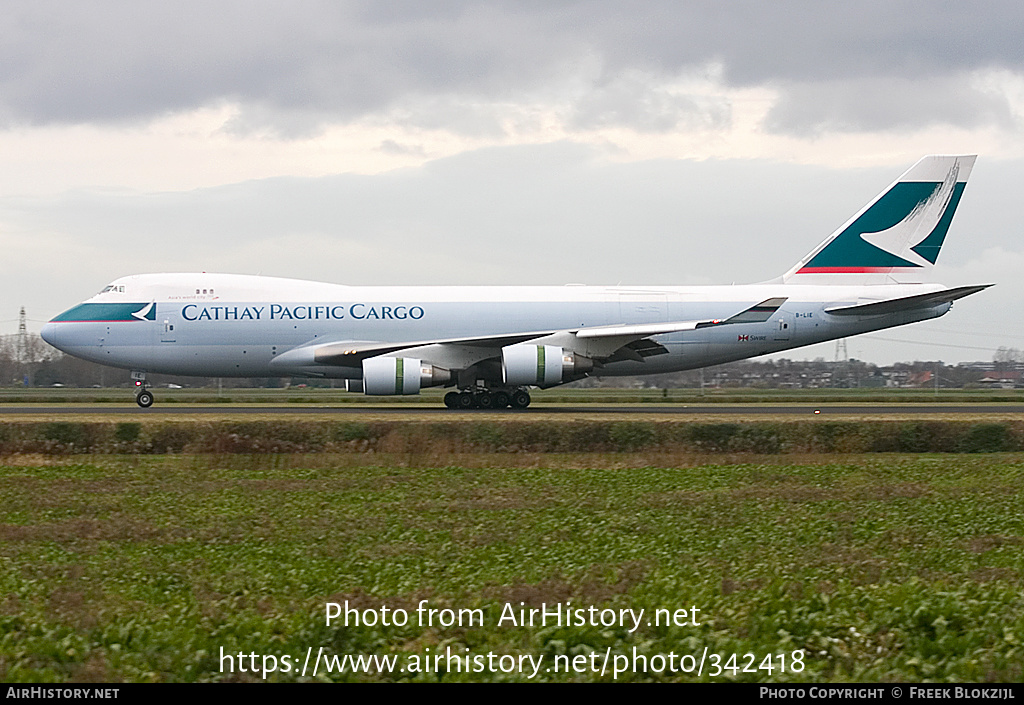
{"x":520,"y":399}
{"x":466,"y":400}
{"x":451,"y":400}
{"x":144,"y":399}
{"x":499,"y":400}
{"x":484,"y":400}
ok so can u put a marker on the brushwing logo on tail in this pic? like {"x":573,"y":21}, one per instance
{"x":903,"y":229}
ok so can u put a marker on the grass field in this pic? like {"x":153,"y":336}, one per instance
{"x":874,"y":567}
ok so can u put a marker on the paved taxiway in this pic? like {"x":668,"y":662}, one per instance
{"x":353,"y":410}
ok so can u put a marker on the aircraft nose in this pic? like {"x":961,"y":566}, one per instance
{"x":49,"y":334}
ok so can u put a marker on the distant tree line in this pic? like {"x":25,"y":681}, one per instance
{"x":1007,"y":359}
{"x":819,"y":373}
{"x":30,"y":361}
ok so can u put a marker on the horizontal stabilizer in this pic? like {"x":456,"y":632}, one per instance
{"x":906,"y":303}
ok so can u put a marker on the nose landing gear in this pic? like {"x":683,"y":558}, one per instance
{"x":143,"y":397}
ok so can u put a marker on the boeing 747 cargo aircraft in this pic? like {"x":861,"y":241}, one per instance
{"x":492,"y":344}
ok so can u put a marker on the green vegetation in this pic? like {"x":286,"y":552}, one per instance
{"x":880,"y":567}
{"x":457,"y":434}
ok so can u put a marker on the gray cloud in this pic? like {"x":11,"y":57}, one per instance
{"x":295,"y":66}
{"x":637,"y":101}
{"x":392,"y":147}
{"x":886,"y":103}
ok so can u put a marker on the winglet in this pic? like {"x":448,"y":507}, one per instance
{"x":758,"y":313}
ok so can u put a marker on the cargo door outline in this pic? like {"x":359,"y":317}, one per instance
{"x":783,"y":326}
{"x":169,"y":324}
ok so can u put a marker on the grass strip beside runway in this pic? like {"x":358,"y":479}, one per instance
{"x":142,"y":568}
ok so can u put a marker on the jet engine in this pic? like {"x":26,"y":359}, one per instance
{"x":541,"y":365}
{"x":400,"y":375}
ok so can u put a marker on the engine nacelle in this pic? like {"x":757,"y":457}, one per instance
{"x":400,"y":375}
{"x":541,"y":365}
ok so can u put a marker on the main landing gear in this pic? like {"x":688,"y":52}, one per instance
{"x":488,"y":399}
{"x":143,"y":397}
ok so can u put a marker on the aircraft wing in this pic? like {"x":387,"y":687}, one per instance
{"x":352,"y":354}
{"x":906,"y":303}
{"x":758,"y":313}
{"x":599,"y":341}
{"x":605,"y":343}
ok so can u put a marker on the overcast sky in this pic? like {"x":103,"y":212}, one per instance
{"x":502,"y":142}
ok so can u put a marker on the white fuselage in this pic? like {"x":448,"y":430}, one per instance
{"x":237,"y":325}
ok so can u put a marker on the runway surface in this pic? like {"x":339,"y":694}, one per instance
{"x":623,"y":410}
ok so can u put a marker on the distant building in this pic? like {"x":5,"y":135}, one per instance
{"x":919,"y":379}
{"x":1001,"y":379}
